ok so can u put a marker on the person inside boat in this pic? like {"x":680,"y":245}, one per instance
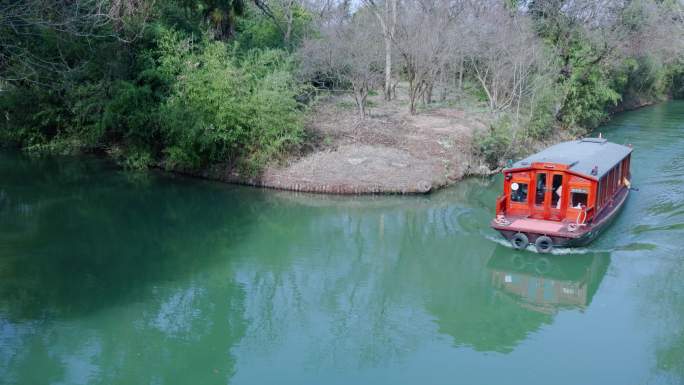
{"x":578,"y":199}
{"x":519,"y":192}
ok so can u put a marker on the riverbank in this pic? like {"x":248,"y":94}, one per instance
{"x":389,"y":151}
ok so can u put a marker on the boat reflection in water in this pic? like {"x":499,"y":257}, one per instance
{"x":548,"y":283}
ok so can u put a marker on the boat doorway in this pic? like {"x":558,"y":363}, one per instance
{"x":548,"y":195}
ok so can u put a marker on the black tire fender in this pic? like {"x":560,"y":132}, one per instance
{"x":519,"y":241}
{"x":544,"y":244}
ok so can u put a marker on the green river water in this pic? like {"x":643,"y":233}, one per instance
{"x":108,"y":277}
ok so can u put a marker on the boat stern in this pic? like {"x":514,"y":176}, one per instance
{"x":545,"y":235}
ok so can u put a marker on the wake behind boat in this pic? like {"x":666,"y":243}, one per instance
{"x":564,"y":195}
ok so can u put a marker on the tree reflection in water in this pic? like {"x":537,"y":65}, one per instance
{"x":666,"y":290}
{"x":104,"y":279}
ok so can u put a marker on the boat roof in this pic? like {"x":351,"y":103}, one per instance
{"x":581,"y":156}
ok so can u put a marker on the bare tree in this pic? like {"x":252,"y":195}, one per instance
{"x":423,"y":42}
{"x":346,"y":53}
{"x":650,"y":28}
{"x":503,"y":54}
{"x":386,"y":14}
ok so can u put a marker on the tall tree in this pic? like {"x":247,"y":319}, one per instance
{"x":386,"y":14}
{"x":220,"y":15}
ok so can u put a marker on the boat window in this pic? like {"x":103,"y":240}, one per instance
{"x":557,"y":191}
{"x":519,"y":193}
{"x":579,"y":199}
{"x":541,"y":189}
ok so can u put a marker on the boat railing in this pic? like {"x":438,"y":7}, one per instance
{"x":501,"y":204}
{"x":588,"y":214}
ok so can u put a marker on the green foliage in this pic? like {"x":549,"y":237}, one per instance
{"x":257,"y":30}
{"x":494,"y":146}
{"x":30,"y":116}
{"x":542,"y":116}
{"x":131,"y":114}
{"x":177,"y":95}
{"x":640,"y":78}
{"x":220,"y":15}
{"x":588,"y":90}
{"x":224,"y":109}
{"x":211,"y":81}
{"x":675,"y":75}
{"x":136,"y":159}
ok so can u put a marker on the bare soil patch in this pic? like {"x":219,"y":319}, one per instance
{"x":389,"y":151}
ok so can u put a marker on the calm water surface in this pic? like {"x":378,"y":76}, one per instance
{"x":115,"y":278}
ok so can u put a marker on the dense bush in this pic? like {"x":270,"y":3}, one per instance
{"x":495,"y":145}
{"x":175,"y":95}
{"x":676,"y":81}
{"x":588,"y":90}
{"x":226,"y":109}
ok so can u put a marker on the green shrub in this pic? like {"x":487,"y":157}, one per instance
{"x":31,"y":116}
{"x":495,"y":145}
{"x":638,"y":78}
{"x":542,"y":117}
{"x":225,"y":109}
{"x":132,"y":113}
{"x":135,"y":159}
{"x":676,"y":80}
{"x":257,"y":30}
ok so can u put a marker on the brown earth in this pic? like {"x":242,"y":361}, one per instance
{"x":389,"y":151}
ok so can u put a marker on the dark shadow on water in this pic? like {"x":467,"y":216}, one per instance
{"x":139,"y":266}
{"x":78,"y":235}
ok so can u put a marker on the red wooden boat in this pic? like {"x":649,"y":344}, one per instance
{"x":563,"y":196}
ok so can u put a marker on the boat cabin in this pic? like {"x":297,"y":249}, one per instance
{"x":571,"y":182}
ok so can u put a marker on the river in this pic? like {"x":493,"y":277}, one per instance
{"x":109,"y":277}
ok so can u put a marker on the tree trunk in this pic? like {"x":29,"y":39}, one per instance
{"x":412,"y":91}
{"x":360,"y":96}
{"x":361,"y":108}
{"x":490,"y":97}
{"x":413,"y":95}
{"x":388,"y":21}
{"x":412,"y":107}
{"x":460,"y":76}
{"x":289,"y":17}
{"x":388,"y":67}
